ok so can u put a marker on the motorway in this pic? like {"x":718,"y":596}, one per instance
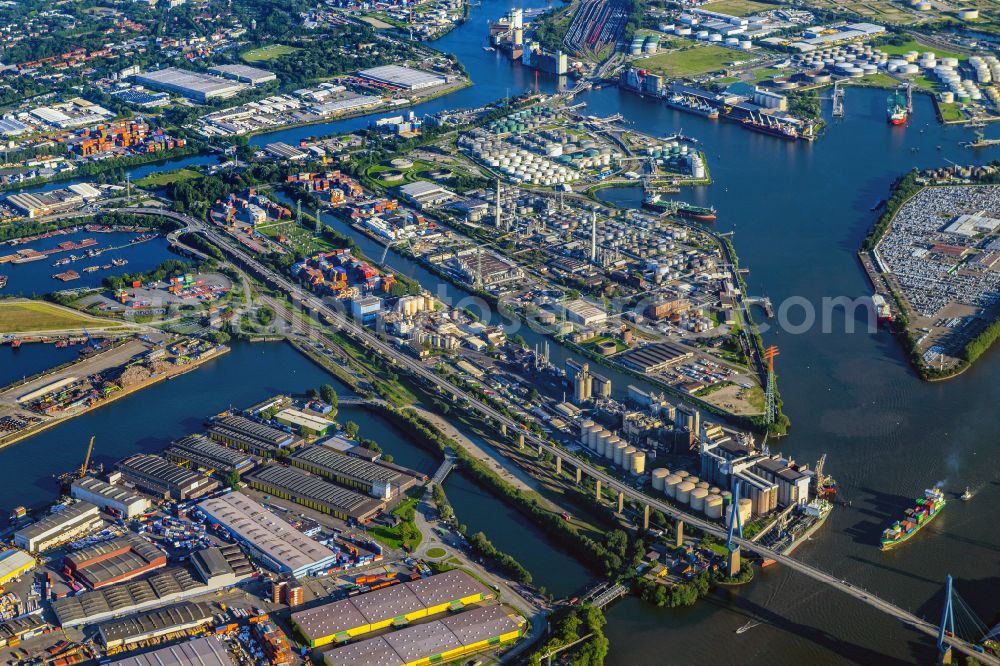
{"x":319,"y":307}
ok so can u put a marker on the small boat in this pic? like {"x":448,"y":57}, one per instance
{"x":119,"y":262}
{"x":3,"y":281}
{"x":967,"y":495}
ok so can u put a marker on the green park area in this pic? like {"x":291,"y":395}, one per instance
{"x":950,"y":112}
{"x":164,"y":178}
{"x":912,"y":45}
{"x":736,"y":7}
{"x":269,"y":52}
{"x":693,"y":61}
{"x":18,"y":316}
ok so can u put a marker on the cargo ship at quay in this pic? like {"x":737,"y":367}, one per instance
{"x":916,"y":518}
{"x":653,"y":202}
{"x":692,"y":105}
{"x":895,"y":109}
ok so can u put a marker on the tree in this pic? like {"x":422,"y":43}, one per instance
{"x":351,"y":430}
{"x":328,"y":394}
{"x":265,"y":315}
{"x":233,"y":479}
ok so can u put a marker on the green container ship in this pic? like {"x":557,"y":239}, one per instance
{"x":917,"y":517}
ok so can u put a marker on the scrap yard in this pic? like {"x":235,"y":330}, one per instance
{"x":109,"y":371}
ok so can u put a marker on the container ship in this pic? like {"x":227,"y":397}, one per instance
{"x":767,"y":125}
{"x":895,"y":109}
{"x":917,"y":517}
{"x":692,"y":105}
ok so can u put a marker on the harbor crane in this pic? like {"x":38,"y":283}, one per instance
{"x":68,"y":478}
{"x":86,"y":460}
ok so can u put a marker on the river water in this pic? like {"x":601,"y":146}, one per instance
{"x":799,"y":212}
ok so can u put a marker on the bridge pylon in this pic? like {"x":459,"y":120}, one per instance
{"x":947,"y":626}
{"x":735,"y":524}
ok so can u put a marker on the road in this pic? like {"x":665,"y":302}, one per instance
{"x":425,"y":519}
{"x":318,"y":306}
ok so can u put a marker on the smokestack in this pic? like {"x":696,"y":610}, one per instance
{"x":593,"y":237}
{"x":498,"y":204}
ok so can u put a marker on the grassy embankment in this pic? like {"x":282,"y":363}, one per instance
{"x":21,"y":316}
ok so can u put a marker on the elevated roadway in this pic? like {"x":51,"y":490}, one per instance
{"x":318,"y":306}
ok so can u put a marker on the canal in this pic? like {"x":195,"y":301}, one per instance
{"x":799,"y":212}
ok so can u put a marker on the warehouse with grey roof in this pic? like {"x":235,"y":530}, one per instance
{"x":401,"y":77}
{"x":194,"y":85}
{"x":277,"y":544}
{"x":376,"y":479}
{"x":292,"y":483}
{"x":202,"y":452}
{"x":156,"y":476}
{"x":205,"y":651}
{"x":254,"y":76}
{"x":109,"y":497}
{"x":155,"y":623}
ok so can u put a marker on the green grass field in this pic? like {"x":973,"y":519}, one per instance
{"x":164,"y":178}
{"x":950,"y":112}
{"x":694,"y":61}
{"x":269,"y":52}
{"x":436,"y":552}
{"x":21,"y":316}
{"x":736,"y":7}
{"x":920,"y":48}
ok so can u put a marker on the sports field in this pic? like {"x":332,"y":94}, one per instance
{"x":18,"y":316}
{"x":269,"y":52}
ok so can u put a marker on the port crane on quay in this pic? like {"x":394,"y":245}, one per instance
{"x":315,"y":306}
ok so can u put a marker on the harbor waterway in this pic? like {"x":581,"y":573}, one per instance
{"x":799,"y":212}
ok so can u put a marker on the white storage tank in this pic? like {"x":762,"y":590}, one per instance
{"x":713,"y":507}
{"x":602,"y":442}
{"x":627,"y":455}
{"x":692,"y":479}
{"x":619,"y":452}
{"x":697,"y":499}
{"x":670,"y":485}
{"x":639,"y":463}
{"x":684,"y":492}
{"x":702,"y":484}
{"x":659,"y":475}
{"x":585,"y":427}
{"x":683,"y":474}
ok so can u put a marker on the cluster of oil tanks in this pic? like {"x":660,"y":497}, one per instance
{"x":644,"y":240}
{"x":603,"y":442}
{"x":707,"y":36}
{"x":850,"y":61}
{"x":700,"y":496}
{"x":678,"y":157}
